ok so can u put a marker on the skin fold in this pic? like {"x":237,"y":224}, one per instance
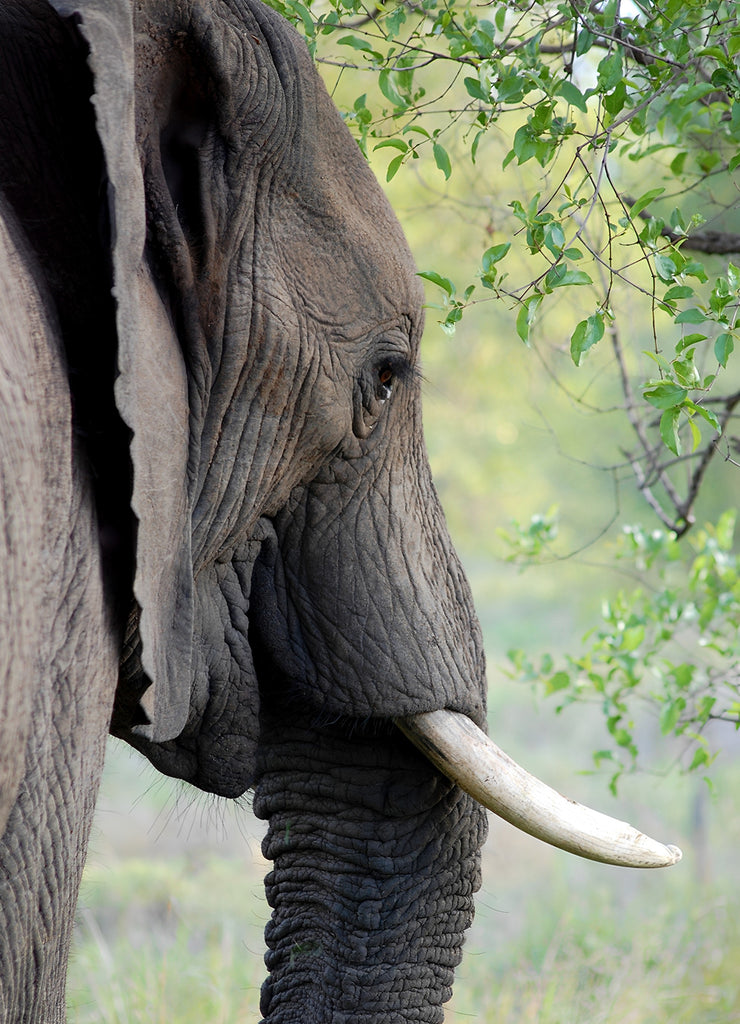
{"x":230,"y":317}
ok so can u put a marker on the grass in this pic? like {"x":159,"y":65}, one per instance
{"x":168,"y":941}
{"x":668,"y":965}
{"x":180,"y":943}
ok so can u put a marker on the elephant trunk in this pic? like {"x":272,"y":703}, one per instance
{"x":376,"y":859}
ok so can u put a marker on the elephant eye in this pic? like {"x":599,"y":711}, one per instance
{"x":384,"y":385}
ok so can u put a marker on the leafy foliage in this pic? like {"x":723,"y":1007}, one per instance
{"x":672,"y":643}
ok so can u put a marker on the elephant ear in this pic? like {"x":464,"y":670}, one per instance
{"x":152,"y":387}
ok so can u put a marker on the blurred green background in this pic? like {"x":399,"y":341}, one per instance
{"x":171,"y":911}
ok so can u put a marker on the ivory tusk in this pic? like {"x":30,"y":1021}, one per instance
{"x":466,"y":755}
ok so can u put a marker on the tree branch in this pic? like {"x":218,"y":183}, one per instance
{"x":718,"y":243}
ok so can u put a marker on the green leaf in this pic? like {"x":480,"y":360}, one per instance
{"x":555,"y":238}
{"x":724,"y":346}
{"x":602,"y":755}
{"x":308,"y":22}
{"x":665,"y":395}
{"x":572,"y":95}
{"x":671,"y":714}
{"x":689,"y":340}
{"x":623,"y":738}
{"x":706,"y":414}
{"x":695,"y":435}
{"x":527,"y":316}
{"x":357,"y":44}
{"x":691,"y":316}
{"x":665,"y":267}
{"x":669,"y":430}
{"x":389,"y":90}
{"x":685,"y":371}
{"x":683,"y":674}
{"x":452,"y":319}
{"x":693,"y":93}
{"x":442,"y":160}
{"x":541,"y":119}
{"x":610,"y":71}
{"x":476,"y":142}
{"x":724,"y":79}
{"x":659,"y":359}
{"x":528,"y":144}
{"x":632,"y":638}
{"x":585,"y":336}
{"x":701,"y":757}
{"x":584,"y":42}
{"x":678,"y":162}
{"x":393,"y":167}
{"x":476,"y":90}
{"x":394,"y":143}
{"x":712,"y":51}
{"x":677,"y":221}
{"x":559,"y":681}
{"x":442,"y":282}
{"x":695,"y":269}
{"x":493,"y":255}
{"x":393,"y":22}
{"x":510,"y":89}
{"x":725,"y":529}
{"x":645,"y":199}
{"x":614,"y":101}
{"x":362,"y":114}
{"x":559,"y":276}
{"x":482,"y":39}
{"x":678,"y":291}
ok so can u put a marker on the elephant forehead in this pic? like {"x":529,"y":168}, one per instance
{"x":338,"y":240}
{"x":350,"y":236}
{"x":345,"y":269}
{"x":327,"y":210}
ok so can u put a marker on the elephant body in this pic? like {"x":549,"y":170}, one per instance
{"x":220,"y":538}
{"x":59,"y":654}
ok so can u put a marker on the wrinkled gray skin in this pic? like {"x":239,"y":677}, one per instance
{"x":220,"y":532}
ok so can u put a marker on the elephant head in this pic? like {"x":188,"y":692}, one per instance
{"x":294,"y":609}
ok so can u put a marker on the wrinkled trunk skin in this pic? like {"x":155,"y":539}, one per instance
{"x":376,"y":859}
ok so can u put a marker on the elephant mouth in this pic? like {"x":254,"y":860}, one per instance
{"x":462,"y":752}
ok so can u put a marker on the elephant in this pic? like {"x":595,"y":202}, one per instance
{"x":220,"y":537}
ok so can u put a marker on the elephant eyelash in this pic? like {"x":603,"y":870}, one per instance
{"x":396,"y":369}
{"x":388,"y":373}
{"x":385,"y":379}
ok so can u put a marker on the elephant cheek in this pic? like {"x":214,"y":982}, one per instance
{"x":225,"y":704}
{"x":381,"y":620}
{"x":216,"y":749}
{"x":276,"y":631}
